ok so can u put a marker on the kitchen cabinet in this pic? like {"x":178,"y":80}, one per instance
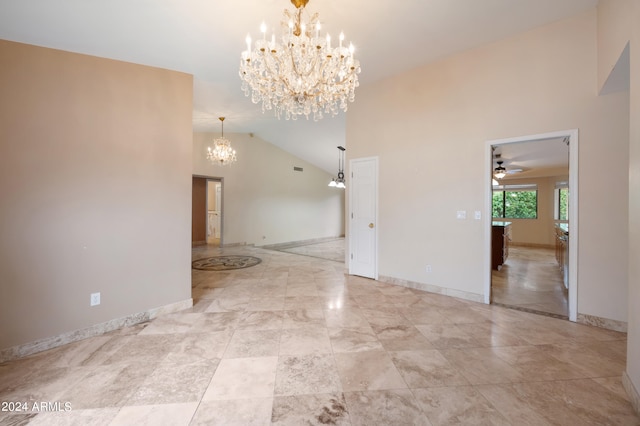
{"x":500,"y":237}
{"x":562,"y":250}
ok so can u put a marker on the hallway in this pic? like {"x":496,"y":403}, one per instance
{"x":329,"y":249}
{"x":531,"y":280}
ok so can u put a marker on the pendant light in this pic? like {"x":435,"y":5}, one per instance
{"x":339,"y":182}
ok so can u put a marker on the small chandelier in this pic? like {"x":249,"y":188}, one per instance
{"x":339,"y":183}
{"x":301,"y":74}
{"x":221,"y":152}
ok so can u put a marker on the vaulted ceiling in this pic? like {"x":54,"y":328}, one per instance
{"x":205,"y":38}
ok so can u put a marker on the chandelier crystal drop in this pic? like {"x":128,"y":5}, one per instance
{"x":302,"y":73}
{"x":221,"y":153}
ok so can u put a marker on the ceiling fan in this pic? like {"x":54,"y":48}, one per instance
{"x":501,"y":171}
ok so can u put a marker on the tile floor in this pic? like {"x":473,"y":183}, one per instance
{"x":293,"y":341}
{"x":331,"y":250}
{"x":531,"y":279}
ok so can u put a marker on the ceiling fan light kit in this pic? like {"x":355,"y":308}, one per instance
{"x":301,"y":73}
{"x":499,"y":172}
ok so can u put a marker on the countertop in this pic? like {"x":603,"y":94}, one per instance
{"x":564,"y":227}
{"x":500,"y":223}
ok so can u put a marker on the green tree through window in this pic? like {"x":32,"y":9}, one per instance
{"x":515,"y":204}
{"x":563,"y":204}
{"x":498,"y":204}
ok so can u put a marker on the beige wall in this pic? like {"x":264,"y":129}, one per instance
{"x":440,"y":117}
{"x":614,"y":26}
{"x":264,"y":200}
{"x":618,"y":25}
{"x":539,"y":231}
{"x":633,"y":339}
{"x":95,"y":178}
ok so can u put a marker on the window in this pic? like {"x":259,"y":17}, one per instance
{"x":515,"y":201}
{"x":561,"y":196}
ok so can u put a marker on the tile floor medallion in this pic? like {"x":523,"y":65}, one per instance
{"x":294,"y":341}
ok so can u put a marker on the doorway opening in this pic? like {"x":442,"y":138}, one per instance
{"x":214,"y":212}
{"x":207,"y":211}
{"x":531,"y":251}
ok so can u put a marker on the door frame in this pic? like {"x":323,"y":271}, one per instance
{"x":350,"y":213}
{"x":221,"y":180}
{"x":573,"y":211}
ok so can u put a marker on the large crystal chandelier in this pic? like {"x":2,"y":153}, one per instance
{"x":302,"y":73}
{"x":221,"y":152}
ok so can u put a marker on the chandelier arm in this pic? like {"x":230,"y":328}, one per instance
{"x":313,"y":89}
{"x":266,"y":62}
{"x":300,"y":75}
{"x":295,"y":68}
{"x":267,"y":65}
{"x":322,"y":69}
{"x":284,"y":81}
{"x":313,"y":66}
{"x":344,"y":80}
{"x":320,"y":79}
{"x":351,"y":71}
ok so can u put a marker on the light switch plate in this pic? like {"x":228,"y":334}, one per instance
{"x":461,"y":214}
{"x":477,"y":215}
{"x":95,"y":299}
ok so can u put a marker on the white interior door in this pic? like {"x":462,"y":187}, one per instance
{"x":218,"y":208}
{"x":363,"y":212}
{"x":214,"y":209}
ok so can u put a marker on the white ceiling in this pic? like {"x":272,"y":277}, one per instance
{"x":534,"y":158}
{"x":205,"y":38}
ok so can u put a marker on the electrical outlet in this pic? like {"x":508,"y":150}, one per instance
{"x":428,"y":268}
{"x":95,"y":299}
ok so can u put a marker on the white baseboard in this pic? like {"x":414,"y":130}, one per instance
{"x":531,"y":245}
{"x":299,"y":243}
{"x":634,"y":396}
{"x":47,"y":343}
{"x":473,"y":297}
{"x":243,"y":244}
{"x":607,"y":323}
